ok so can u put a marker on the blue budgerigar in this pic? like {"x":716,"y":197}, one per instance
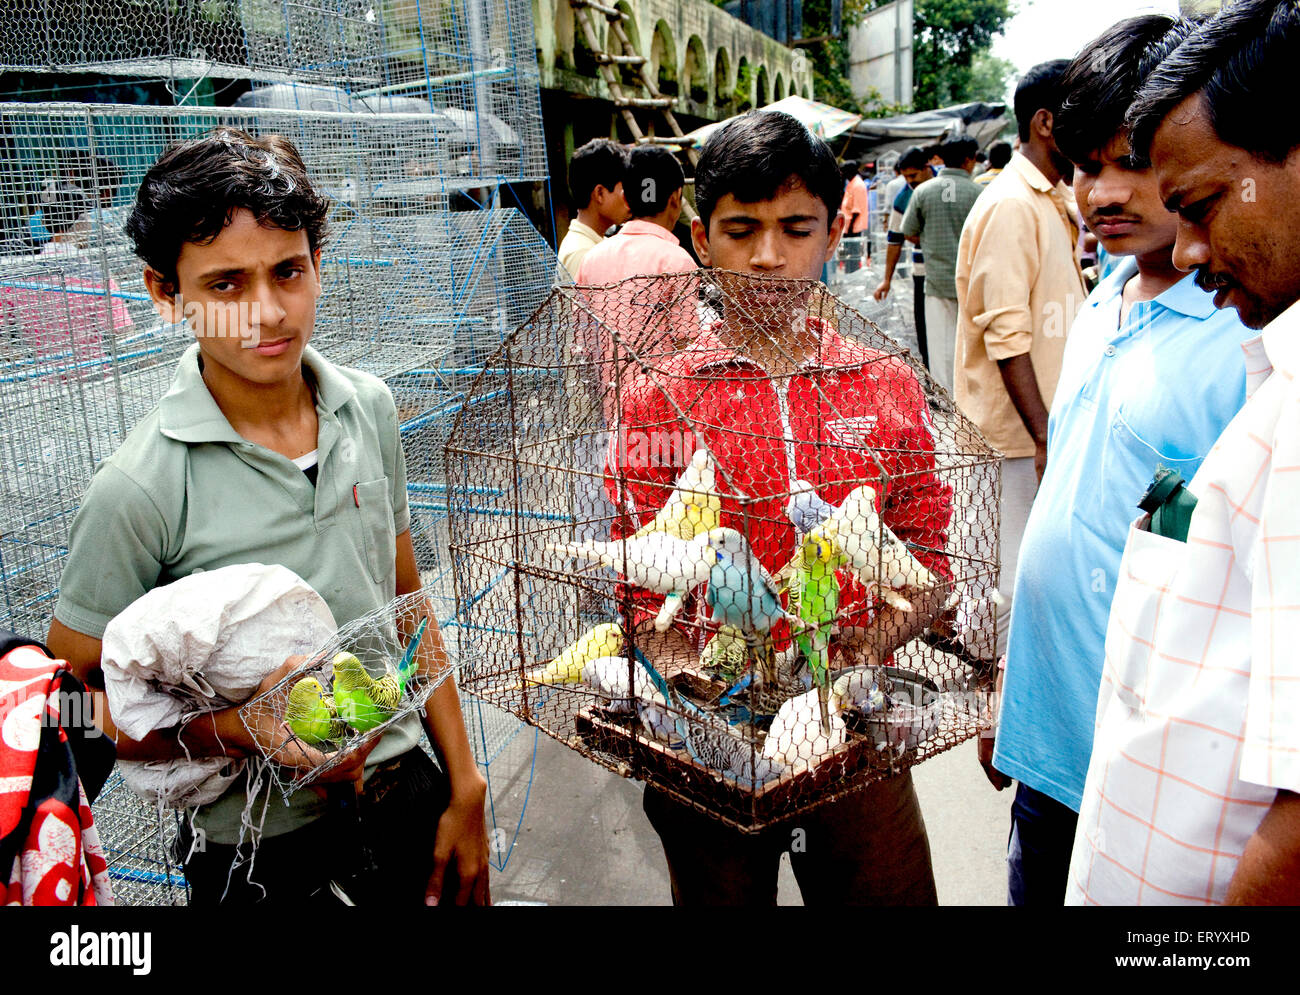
{"x":743,"y":595}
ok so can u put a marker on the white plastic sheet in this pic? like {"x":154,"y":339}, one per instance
{"x":202,"y":643}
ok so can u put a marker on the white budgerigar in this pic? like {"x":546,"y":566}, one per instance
{"x":796,"y":737}
{"x":657,"y":561}
{"x":876,"y":556}
{"x":694,"y":505}
{"x":608,"y":675}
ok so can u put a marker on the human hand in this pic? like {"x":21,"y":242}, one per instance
{"x":996,"y":778}
{"x":460,"y":848}
{"x":882,"y":291}
{"x":1040,"y":459}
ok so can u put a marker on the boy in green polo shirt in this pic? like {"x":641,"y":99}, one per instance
{"x":263,"y":451}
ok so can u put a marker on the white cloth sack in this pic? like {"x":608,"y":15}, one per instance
{"x":201,"y":643}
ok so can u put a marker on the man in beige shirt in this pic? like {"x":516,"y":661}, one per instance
{"x":596,"y":182}
{"x":1018,"y":288}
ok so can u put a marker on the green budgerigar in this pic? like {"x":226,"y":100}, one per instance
{"x":815,"y":598}
{"x":310,"y":714}
{"x":726,"y":653}
{"x":363,"y":702}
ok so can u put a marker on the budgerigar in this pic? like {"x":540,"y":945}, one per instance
{"x":609,"y":676}
{"x":694,"y":505}
{"x":798,"y":738}
{"x":875,"y":555}
{"x":657,"y":561}
{"x":712,"y":743}
{"x":605,"y":639}
{"x":742,"y":594}
{"x":363,"y":702}
{"x":726,"y":653}
{"x":815,"y":595}
{"x":805,"y":509}
{"x":310,"y":714}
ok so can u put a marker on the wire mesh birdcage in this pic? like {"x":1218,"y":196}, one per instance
{"x":468,"y":63}
{"x":721,"y":533}
{"x":373,"y":672}
{"x":405,"y":113}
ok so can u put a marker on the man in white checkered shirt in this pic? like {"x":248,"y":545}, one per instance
{"x":1193,"y":789}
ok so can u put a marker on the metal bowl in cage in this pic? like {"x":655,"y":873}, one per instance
{"x":911,"y":714}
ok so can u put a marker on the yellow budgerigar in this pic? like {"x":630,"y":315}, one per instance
{"x":603,"y":640}
{"x":694,"y":506}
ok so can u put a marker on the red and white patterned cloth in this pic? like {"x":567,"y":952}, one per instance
{"x":1198,"y":719}
{"x":45,"y":819}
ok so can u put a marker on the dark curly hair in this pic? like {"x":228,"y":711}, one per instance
{"x":190,"y":193}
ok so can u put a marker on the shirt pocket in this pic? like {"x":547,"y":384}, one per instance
{"x":1143,"y":591}
{"x":1128,"y":466}
{"x":378,"y":535}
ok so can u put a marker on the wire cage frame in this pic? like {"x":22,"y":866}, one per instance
{"x":400,"y":109}
{"x":722,"y":534}
{"x":468,"y":63}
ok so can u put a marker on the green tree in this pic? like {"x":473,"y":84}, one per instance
{"x":990,"y":77}
{"x":949,"y":35}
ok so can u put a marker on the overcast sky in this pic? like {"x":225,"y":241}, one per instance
{"x":1057,"y":29}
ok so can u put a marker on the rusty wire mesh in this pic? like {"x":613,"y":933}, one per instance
{"x":722,"y":534}
{"x":319,"y":712}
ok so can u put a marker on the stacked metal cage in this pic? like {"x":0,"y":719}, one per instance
{"x":409,"y":116}
{"x":643,"y":485}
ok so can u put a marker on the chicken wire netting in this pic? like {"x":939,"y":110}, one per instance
{"x":400,"y":109}
{"x":412,"y":293}
{"x":467,"y":65}
{"x":373,"y":672}
{"x":721,"y":533}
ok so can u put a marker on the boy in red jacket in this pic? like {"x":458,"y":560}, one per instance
{"x":777,"y":396}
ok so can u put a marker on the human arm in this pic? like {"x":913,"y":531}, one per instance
{"x":214,"y":733}
{"x":1269,"y":870}
{"x":1022,"y":385}
{"x":892,"y":254}
{"x":997,"y":269}
{"x":461,"y":839}
{"x":987,"y":740}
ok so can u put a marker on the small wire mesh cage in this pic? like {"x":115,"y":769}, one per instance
{"x":721,"y":533}
{"x":375,"y":671}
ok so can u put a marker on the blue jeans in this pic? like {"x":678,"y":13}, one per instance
{"x":1038,"y":851}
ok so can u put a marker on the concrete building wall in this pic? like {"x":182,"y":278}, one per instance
{"x":872,"y":46}
{"x":695,"y":48}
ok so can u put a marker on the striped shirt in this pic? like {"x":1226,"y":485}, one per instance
{"x":1198,"y":717}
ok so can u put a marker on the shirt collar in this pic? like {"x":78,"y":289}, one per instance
{"x":953,"y":171}
{"x":1184,"y":297}
{"x":577,"y":226}
{"x":1279,"y":341}
{"x":189,"y":413}
{"x":708,"y":351}
{"x":1030,"y":173}
{"x":1188,"y":299}
{"x":639,"y":226}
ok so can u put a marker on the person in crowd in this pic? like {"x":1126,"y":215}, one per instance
{"x":1018,"y":287}
{"x":263,"y":451}
{"x":934,"y":219}
{"x":998,"y":156}
{"x":596,"y":186}
{"x":1128,"y":403}
{"x":856,"y":210}
{"x":913,"y":170}
{"x":769,"y":195}
{"x":1193,"y":788}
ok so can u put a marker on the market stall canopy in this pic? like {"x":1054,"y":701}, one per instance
{"x":982,"y":122}
{"x":822,"y":120}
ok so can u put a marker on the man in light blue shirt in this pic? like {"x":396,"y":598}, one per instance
{"x":1152,"y":374}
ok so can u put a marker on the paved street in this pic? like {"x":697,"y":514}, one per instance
{"x":585,"y":840}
